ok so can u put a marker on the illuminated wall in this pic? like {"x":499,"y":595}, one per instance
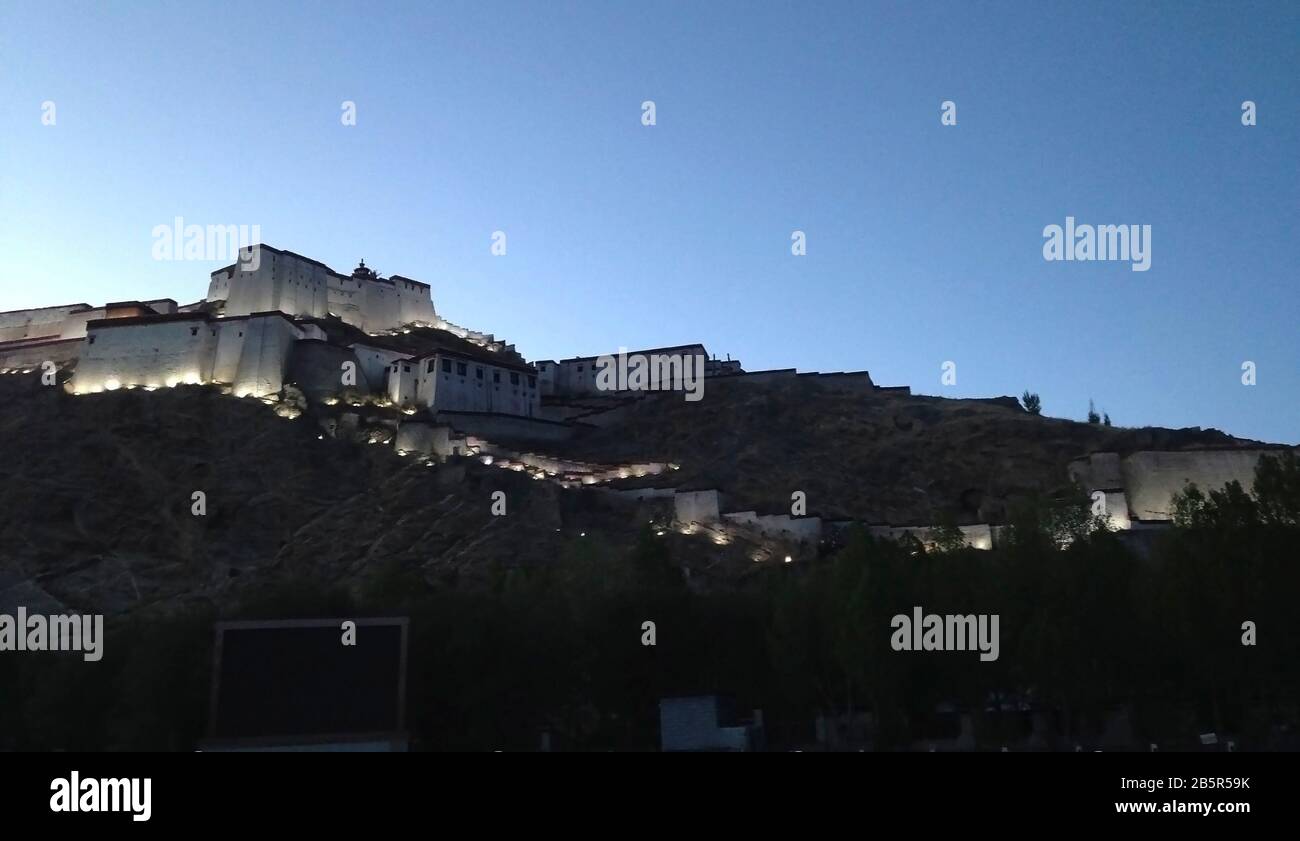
{"x":46,"y":322}
{"x":697,"y":506}
{"x":1152,"y":478}
{"x":377,"y":362}
{"x":162,"y":353}
{"x":457,"y":384}
{"x":801,"y":529}
{"x":250,"y":354}
{"x":298,"y":286}
{"x":264,"y":360}
{"x":1141,"y":486}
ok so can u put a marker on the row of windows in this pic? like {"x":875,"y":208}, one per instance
{"x":462,"y":369}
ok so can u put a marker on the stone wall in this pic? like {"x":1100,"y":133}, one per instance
{"x":154,"y":354}
{"x":31,"y":354}
{"x":1141,"y":486}
{"x":267,"y":278}
{"x":1151,"y":478}
{"x":697,"y":506}
{"x":43,"y":323}
{"x":250,"y":354}
{"x":457,"y":384}
{"x":783,"y":526}
{"x":317,"y":368}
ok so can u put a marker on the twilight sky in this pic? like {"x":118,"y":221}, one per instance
{"x":924,"y":241}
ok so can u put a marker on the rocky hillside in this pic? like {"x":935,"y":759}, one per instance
{"x":96,"y":491}
{"x":96,"y":505}
{"x":884,"y":457}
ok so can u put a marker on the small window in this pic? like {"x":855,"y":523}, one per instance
{"x":478,"y":373}
{"x":514,"y":378}
{"x":461,"y":368}
{"x":579,"y":368}
{"x":532,"y":382}
{"x":428,"y":367}
{"x":446,"y":366}
{"x":406,"y":368}
{"x":194,"y":331}
{"x":496,"y":376}
{"x":90,"y":340}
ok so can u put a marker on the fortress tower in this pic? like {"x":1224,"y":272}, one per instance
{"x":267,"y":279}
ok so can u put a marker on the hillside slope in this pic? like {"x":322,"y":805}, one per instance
{"x":880,"y":456}
{"x":96,"y":491}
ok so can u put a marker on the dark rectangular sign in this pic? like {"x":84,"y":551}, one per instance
{"x":293,"y":679}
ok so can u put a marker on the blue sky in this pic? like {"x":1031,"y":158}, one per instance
{"x":924,"y":241}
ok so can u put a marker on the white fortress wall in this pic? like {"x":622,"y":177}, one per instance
{"x":303,"y":286}
{"x":424,"y":438}
{"x":457,"y":384}
{"x":979,"y":536}
{"x":299,"y":286}
{"x":376,"y":362}
{"x":402,"y":383}
{"x":697,"y":506}
{"x":33,"y":354}
{"x":230,"y":347}
{"x":1152,"y":478}
{"x":1141,"y":486}
{"x":264,"y":361}
{"x":801,"y":529}
{"x":74,"y":326}
{"x":244,"y":291}
{"x":46,"y":322}
{"x":381,"y":308}
{"x":704,"y":507}
{"x":279,"y":281}
{"x":250,"y":353}
{"x":347,"y":300}
{"x":153,"y":353}
{"x":1117,"y":509}
{"x":415,"y":303}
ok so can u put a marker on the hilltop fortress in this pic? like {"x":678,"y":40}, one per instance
{"x":275,"y":317}
{"x":290,"y":330}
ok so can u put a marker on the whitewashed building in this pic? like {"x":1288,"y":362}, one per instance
{"x":250,"y":353}
{"x":456,"y":382}
{"x":267,"y":278}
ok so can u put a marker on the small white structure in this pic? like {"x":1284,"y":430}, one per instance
{"x":448,"y":381}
